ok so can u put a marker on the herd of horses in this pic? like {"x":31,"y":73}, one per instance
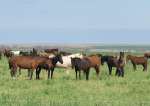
{"x":51,"y":58}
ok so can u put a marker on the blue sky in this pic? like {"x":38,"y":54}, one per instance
{"x":75,"y":21}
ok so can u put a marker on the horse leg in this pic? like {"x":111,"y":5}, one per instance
{"x":52,"y":70}
{"x":13,"y":72}
{"x":134,"y":66}
{"x":122,"y":72}
{"x":38,"y":70}
{"x":31,"y":74}
{"x":76,"y":74}
{"x":80,"y":74}
{"x":144,"y":67}
{"x":19,"y":71}
{"x":110,"y":69}
{"x":97,"y":71}
{"x":117,"y":72}
{"x":49,"y":73}
{"x":87,"y":74}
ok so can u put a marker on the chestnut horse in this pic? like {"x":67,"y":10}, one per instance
{"x":31,"y":63}
{"x":95,"y":62}
{"x":81,"y":64}
{"x":138,"y":61}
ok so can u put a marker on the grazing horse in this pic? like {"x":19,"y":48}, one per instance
{"x":138,"y":61}
{"x":29,"y":62}
{"x":95,"y":62}
{"x":81,"y":64}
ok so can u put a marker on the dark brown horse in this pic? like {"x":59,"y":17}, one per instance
{"x":120,"y":65}
{"x":137,"y":61}
{"x":8,"y":53}
{"x":49,"y":66}
{"x":81,"y":64}
{"x":95,"y":62}
{"x":30,"y":63}
{"x":53,"y":51}
{"x":112,"y":61}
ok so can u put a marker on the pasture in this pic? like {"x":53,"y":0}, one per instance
{"x":65,"y":90}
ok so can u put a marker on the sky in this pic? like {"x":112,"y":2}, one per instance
{"x":75,"y":21}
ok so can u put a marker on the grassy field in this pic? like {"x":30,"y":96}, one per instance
{"x":64,"y":90}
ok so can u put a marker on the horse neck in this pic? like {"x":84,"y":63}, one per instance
{"x":54,"y":60}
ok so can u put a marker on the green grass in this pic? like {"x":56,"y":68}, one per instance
{"x":64,"y":90}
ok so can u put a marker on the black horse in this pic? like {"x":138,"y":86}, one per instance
{"x":114,"y":62}
{"x":49,"y":66}
{"x":111,"y":62}
{"x":81,"y":64}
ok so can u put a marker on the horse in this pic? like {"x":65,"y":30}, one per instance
{"x":54,"y":51}
{"x":81,"y":64}
{"x":67,"y":61}
{"x":29,"y":62}
{"x":138,"y":61}
{"x":8,"y":53}
{"x":95,"y":62}
{"x":113,"y":62}
{"x":147,"y":55}
{"x":120,"y":65}
{"x":49,"y":66}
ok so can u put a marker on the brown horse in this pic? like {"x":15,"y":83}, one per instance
{"x":95,"y":63}
{"x":81,"y":64}
{"x":147,"y":55}
{"x":8,"y":53}
{"x":115,"y":62}
{"x":31,"y":63}
{"x":54,"y":51}
{"x":138,"y":61}
{"x":120,"y":65}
